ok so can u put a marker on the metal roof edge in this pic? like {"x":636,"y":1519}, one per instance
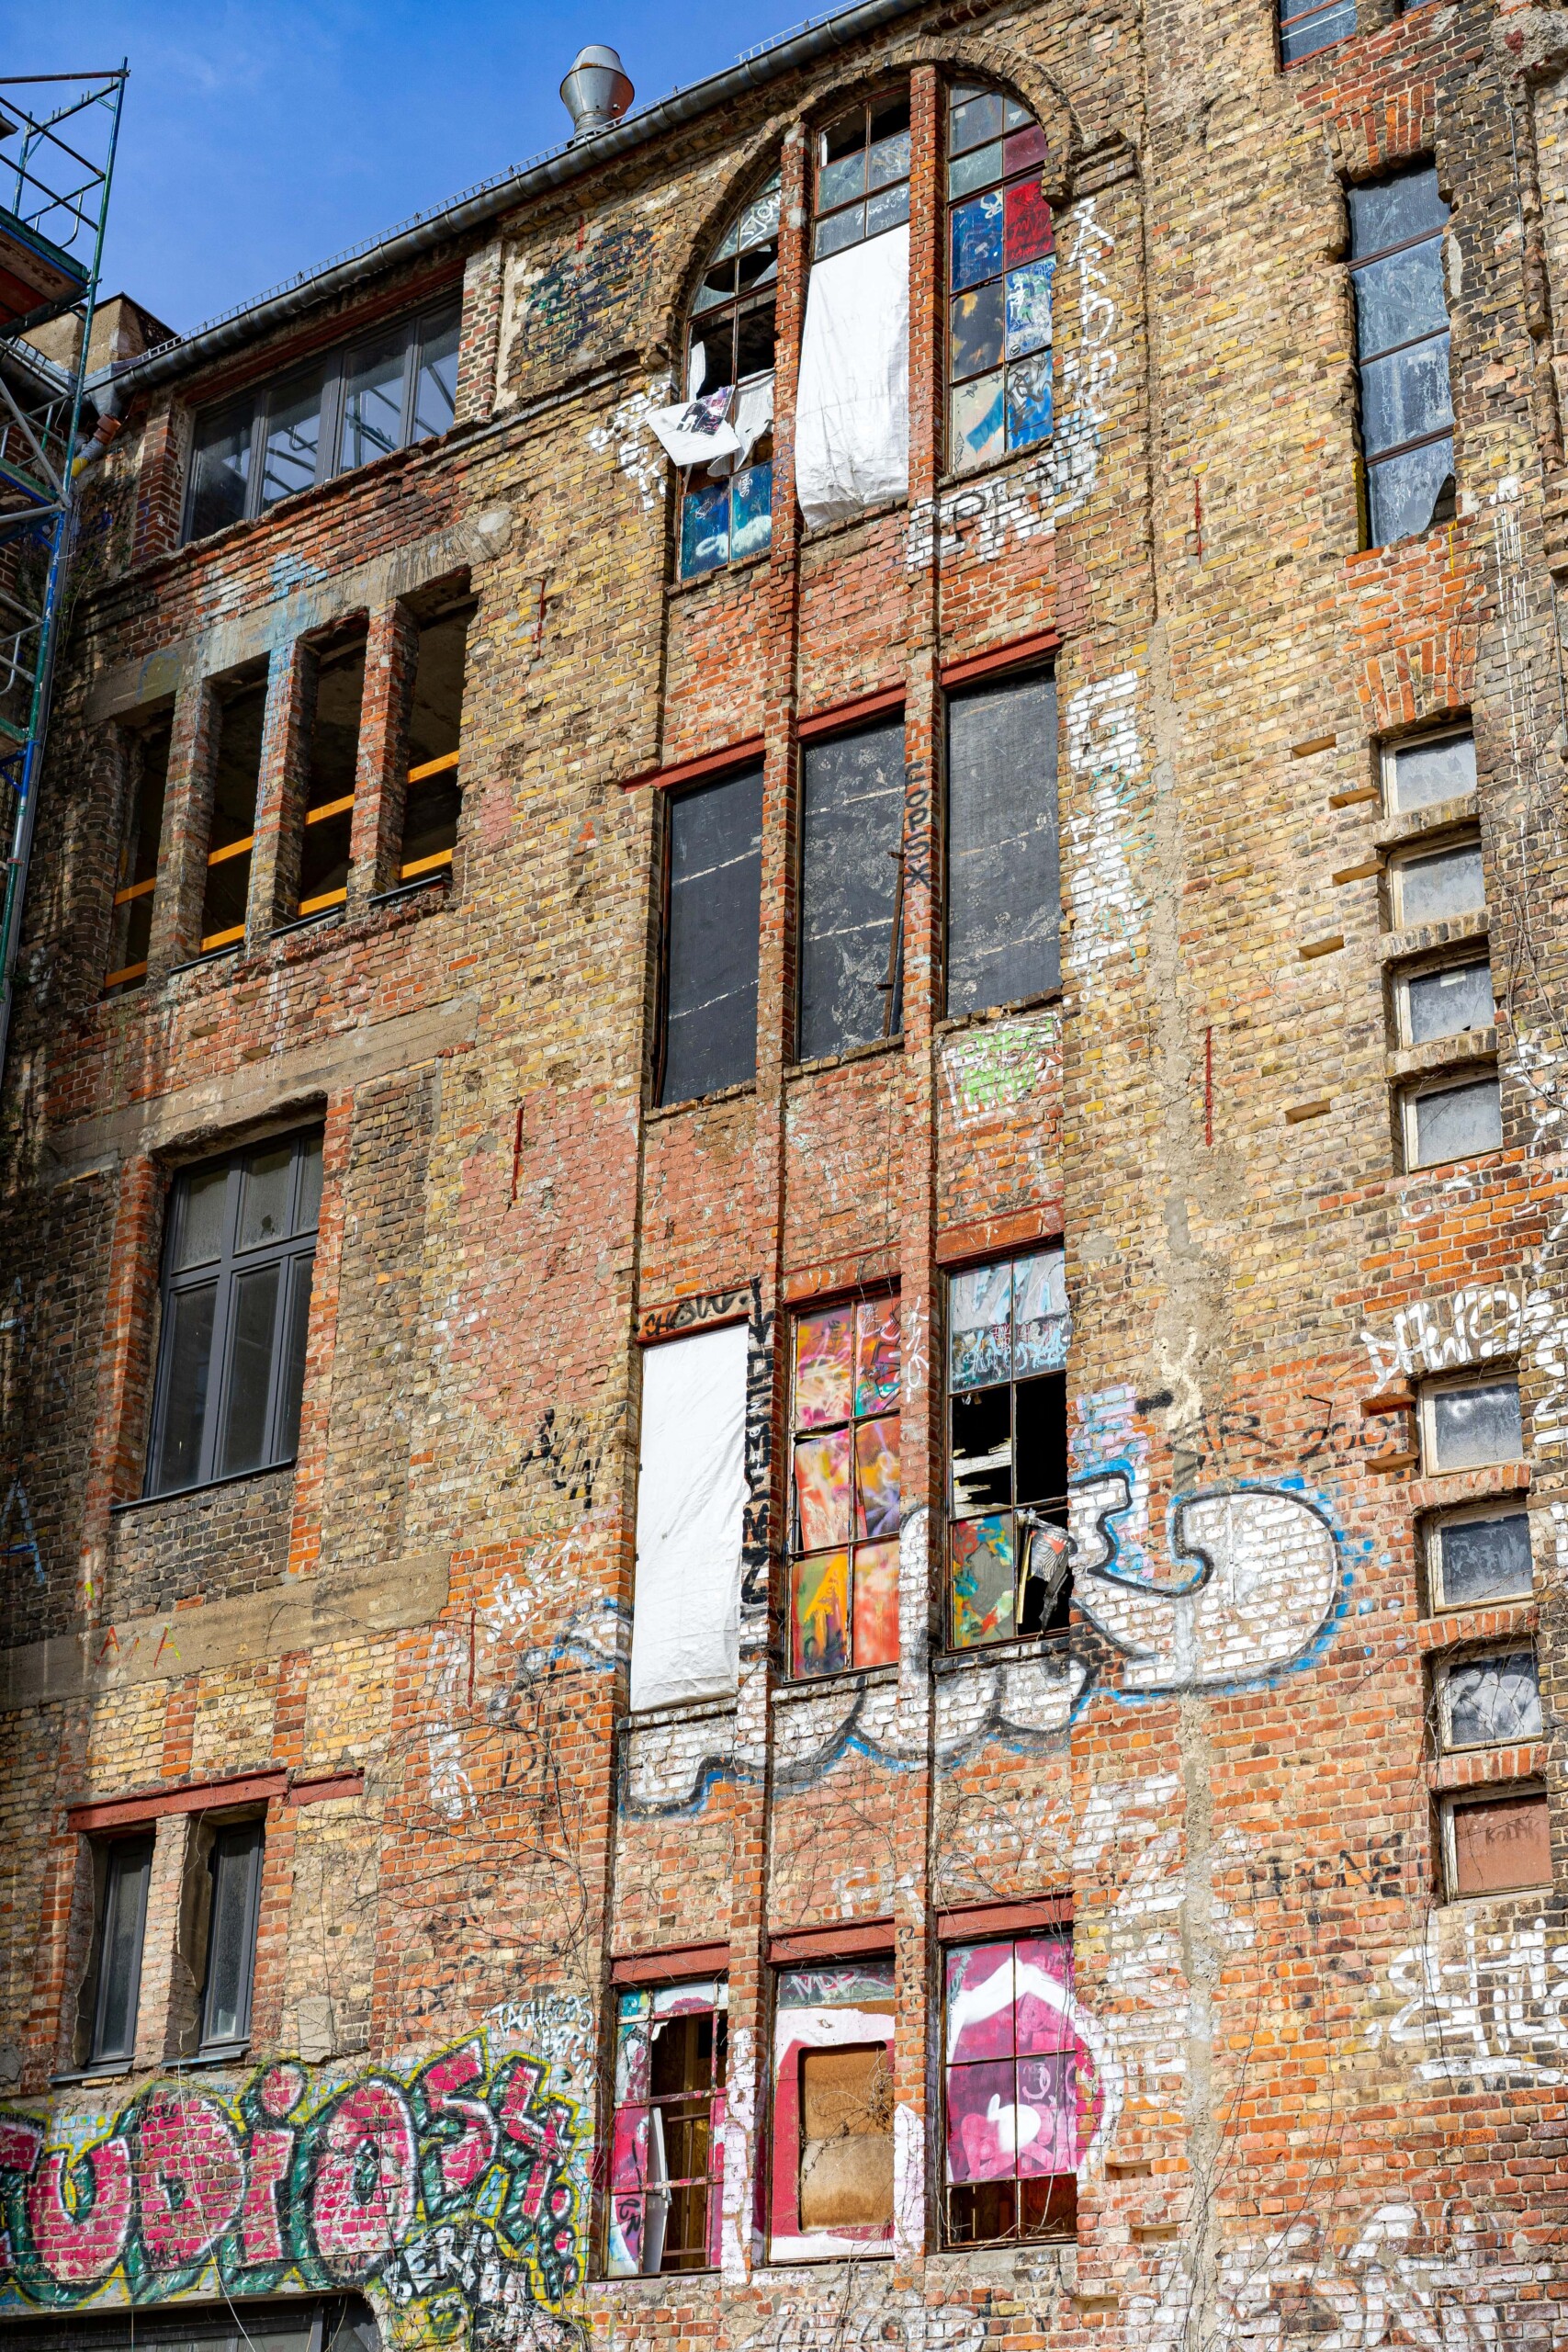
{"x":555,"y":169}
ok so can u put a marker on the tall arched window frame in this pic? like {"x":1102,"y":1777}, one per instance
{"x":727,"y":506}
{"x":1001,"y":263}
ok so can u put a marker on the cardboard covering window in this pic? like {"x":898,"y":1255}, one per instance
{"x":1004,"y":890}
{"x":852,"y":434}
{"x":831,"y":2189}
{"x":691,"y":1498}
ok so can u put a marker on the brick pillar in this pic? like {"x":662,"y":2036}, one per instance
{"x":390,"y":653}
{"x":479,"y":354}
{"x":281,"y":790}
{"x":164,"y":1990}
{"x":160,"y":490}
{"x":320,"y":1337}
{"x":118,"y":1449}
{"x":60,"y":1953}
{"x":188,"y":825}
{"x":278,"y":1856}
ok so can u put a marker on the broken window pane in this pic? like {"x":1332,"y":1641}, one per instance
{"x":1001,"y":263}
{"x":1004,"y":891}
{"x":236,"y":774}
{"x":1009,"y":1328}
{"x":1498,"y":1843}
{"x":1482,"y":1559}
{"x":1440,"y":887}
{"x":1456,"y":1124}
{"x":1303,"y":32}
{"x":667,"y":2150}
{"x":1489,"y":1700}
{"x":1446,"y":1003}
{"x":832,"y":2142}
{"x":863,"y":154}
{"x":1472,"y":1426}
{"x":329,"y":788}
{"x":851,"y":897}
{"x":1424,"y":772}
{"x":846,"y":1507}
{"x":713,"y":924}
{"x":1402,"y":344}
{"x":727,"y":507}
{"x":1015,"y":2082}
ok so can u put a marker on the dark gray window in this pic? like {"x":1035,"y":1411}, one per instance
{"x":237,"y":1265}
{"x":400,"y":385}
{"x":127,"y":1869}
{"x":235,"y":1867}
{"x":1402,"y":344}
{"x":230,"y":840}
{"x":146,"y":755}
{"x":851,"y":889}
{"x":1003,"y":887}
{"x":328,"y":794}
{"x":711,"y":916}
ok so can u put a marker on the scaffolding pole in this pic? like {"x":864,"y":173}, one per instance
{"x":58,"y":134}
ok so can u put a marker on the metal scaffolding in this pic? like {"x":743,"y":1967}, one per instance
{"x":58,"y":133}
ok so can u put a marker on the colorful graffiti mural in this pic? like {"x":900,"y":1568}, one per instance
{"x":458,"y":2186}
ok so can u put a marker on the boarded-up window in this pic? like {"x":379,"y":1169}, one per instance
{"x":690,"y":1497}
{"x":1496,"y":1843}
{"x":851,"y":889}
{"x":716,"y":881}
{"x":846,"y":2138}
{"x":832,"y":2187}
{"x":1003,"y":904}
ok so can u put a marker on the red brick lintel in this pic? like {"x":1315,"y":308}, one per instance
{"x":206,"y":1796}
{"x":734,"y":755}
{"x":670,"y":1967}
{"x":1003,"y":657}
{"x":984,"y":1237}
{"x":1003,"y":1918}
{"x":828,"y":1944}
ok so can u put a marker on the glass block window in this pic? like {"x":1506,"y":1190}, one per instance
{"x":667,"y":2152}
{"x":1008,"y":1332}
{"x":1402,"y":348}
{"x":843,"y":1588}
{"x":862,"y":174}
{"x":1002,"y":258}
{"x":728,"y":507}
{"x":1020,"y":2091}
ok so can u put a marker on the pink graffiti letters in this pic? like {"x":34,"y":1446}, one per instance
{"x":85,"y":2238}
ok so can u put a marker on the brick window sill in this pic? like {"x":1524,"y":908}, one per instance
{"x":1468,"y":1485}
{"x":207,"y":1486}
{"x":837,"y":1061}
{"x":1458,"y":932}
{"x":950,"y":1025}
{"x":722,"y":1094}
{"x":856,"y":1677}
{"x":1415,"y":824}
{"x":1479,"y":1767}
{"x":1455,"y":1628}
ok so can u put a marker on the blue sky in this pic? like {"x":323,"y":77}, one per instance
{"x":258,"y":140}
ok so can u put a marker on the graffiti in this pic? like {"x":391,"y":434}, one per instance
{"x":1105,"y":751}
{"x":564,"y":303}
{"x":459,"y":2184}
{"x":562,"y":1451}
{"x":1273,"y":2293}
{"x":870,"y":2315}
{"x":758,"y":1457}
{"x":1516,"y":1317}
{"x":1495,"y":2010}
{"x":706,"y":1307}
{"x":989,"y":1070}
{"x":637,"y":455}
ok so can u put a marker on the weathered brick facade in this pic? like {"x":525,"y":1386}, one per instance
{"x":1322,"y":2086}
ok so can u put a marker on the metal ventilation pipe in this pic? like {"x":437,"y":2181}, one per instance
{"x":597,"y":92}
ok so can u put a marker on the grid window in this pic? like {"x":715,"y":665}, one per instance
{"x":1003,"y":850}
{"x":1445,"y":1123}
{"x":845,"y":1511}
{"x":1489,"y":1700}
{"x":235,"y":1866}
{"x":713,"y":911}
{"x":236,"y":1298}
{"x":1001,"y":247}
{"x":1465,"y":1426}
{"x":851,"y":889}
{"x":1008,"y":1332}
{"x":400,"y":385}
{"x":1402,"y":347}
{"x":862,"y":174}
{"x":147,"y":760}
{"x":1478,"y":1558}
{"x":1496,"y":1844}
{"x":727,"y":506}
{"x":128,"y":1870}
{"x":1431,"y":769}
{"x":1016,"y":2080}
{"x":667,"y":2159}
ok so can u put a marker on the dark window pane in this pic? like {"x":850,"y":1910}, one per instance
{"x":755,"y":341}
{"x":188,"y":1358}
{"x":852,"y":826}
{"x":1400,"y":300}
{"x":435,"y":722}
{"x":1388,"y":212}
{"x":253,"y":1322}
{"x":309,"y":1185}
{"x":373,"y":401}
{"x":1457,"y":1123}
{"x":200,"y":1216}
{"x":264,"y":1192}
{"x":125,"y":1880}
{"x":220,"y":470}
{"x":235,"y":778}
{"x":1406,"y":494}
{"x":1041,"y":1420}
{"x":144,"y":817}
{"x":1406,"y":396}
{"x":1485,"y":1559}
{"x":230,"y":1946}
{"x":1319,"y":30}
{"x":715,"y":866}
{"x":292,"y":445}
{"x":291,"y":1385}
{"x":979,"y":325}
{"x":889,"y":118}
{"x":981,"y":1450}
{"x":435,"y":393}
{"x":1003,"y":925}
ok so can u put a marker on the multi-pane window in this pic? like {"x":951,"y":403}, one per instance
{"x":147,"y":762}
{"x":667,"y":2155}
{"x":1489,"y":1700}
{"x":1401,"y":346}
{"x":235,"y":1867}
{"x":851,"y":889}
{"x":127,"y":1867}
{"x":232,"y":834}
{"x":727,"y":509}
{"x":1428,"y":770}
{"x":400,"y":385}
{"x":333,"y":756}
{"x":1016,"y":2079}
{"x":434,"y":798}
{"x":1303,"y":30}
{"x":862,"y":174}
{"x":845,"y":1511}
{"x":236,"y":1298}
{"x":1003,"y":855}
{"x":1001,"y":251}
{"x":1467,"y":1424}
{"x":1477,"y":1557}
{"x":713,"y":908}
{"x":1008,"y":1332}
{"x":831,"y":2187}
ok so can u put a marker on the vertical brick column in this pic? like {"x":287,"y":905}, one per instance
{"x":321,"y":1338}
{"x":188,"y":825}
{"x":281,"y":789}
{"x":159,"y":2005}
{"x":268,"y":1981}
{"x":919,"y":2049}
{"x":159,"y":493}
{"x":479,"y":354}
{"x":65,"y":1942}
{"x":117,"y":1448}
{"x":380,"y":773}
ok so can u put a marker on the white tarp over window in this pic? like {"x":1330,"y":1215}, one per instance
{"x":851,"y":415}
{"x":691,"y":1496}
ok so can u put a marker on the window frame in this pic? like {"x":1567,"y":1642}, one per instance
{"x":1416,"y":852}
{"x":209,"y":2045}
{"x":1453,"y":1082}
{"x":1439,"y":1603}
{"x":1354,"y":262}
{"x":1021,"y":678}
{"x":1391,"y":753}
{"x":1407,"y":975}
{"x":295,"y":1248}
{"x":956,"y":94}
{"x":785,"y":2140}
{"x":888,"y":1300}
{"x":950,"y":2241}
{"x":717,"y":2095}
{"x":1456,"y":1801}
{"x":1478,"y":1377}
{"x":1456,"y":1662}
{"x":674,"y":796}
{"x":141,"y":1840}
{"x":899,"y":91}
{"x":1326,"y":8}
{"x":418,"y":329}
{"x":762,"y":292}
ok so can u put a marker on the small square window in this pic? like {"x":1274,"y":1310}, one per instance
{"x":1459,"y":1122}
{"x":1428,"y":770}
{"x":1478,"y":1558}
{"x":1451,"y":1002}
{"x":1496,"y":1843}
{"x":1489,"y":1699}
{"x":1465,"y":1428}
{"x":1438,"y":886}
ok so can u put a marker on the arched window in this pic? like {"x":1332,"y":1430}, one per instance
{"x":726,"y":510}
{"x":1001,"y":262}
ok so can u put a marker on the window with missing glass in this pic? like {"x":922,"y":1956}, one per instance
{"x":433,"y":798}
{"x":727,"y":505}
{"x":1467,"y":1424}
{"x":231,"y":821}
{"x":125,"y":1870}
{"x":146,"y":757}
{"x":398,"y":385}
{"x":1476,"y":1558}
{"x":862,"y":174}
{"x":1002,"y":248}
{"x":667,"y":2154}
{"x":234,"y":1868}
{"x":1402,"y":348}
{"x":1007,"y":1333}
{"x":1428,"y":770}
{"x":236,"y":1296}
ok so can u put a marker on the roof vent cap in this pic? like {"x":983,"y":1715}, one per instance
{"x":597,"y":91}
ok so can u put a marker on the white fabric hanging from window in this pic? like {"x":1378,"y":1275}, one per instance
{"x":691,"y":1498}
{"x":851,"y":413}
